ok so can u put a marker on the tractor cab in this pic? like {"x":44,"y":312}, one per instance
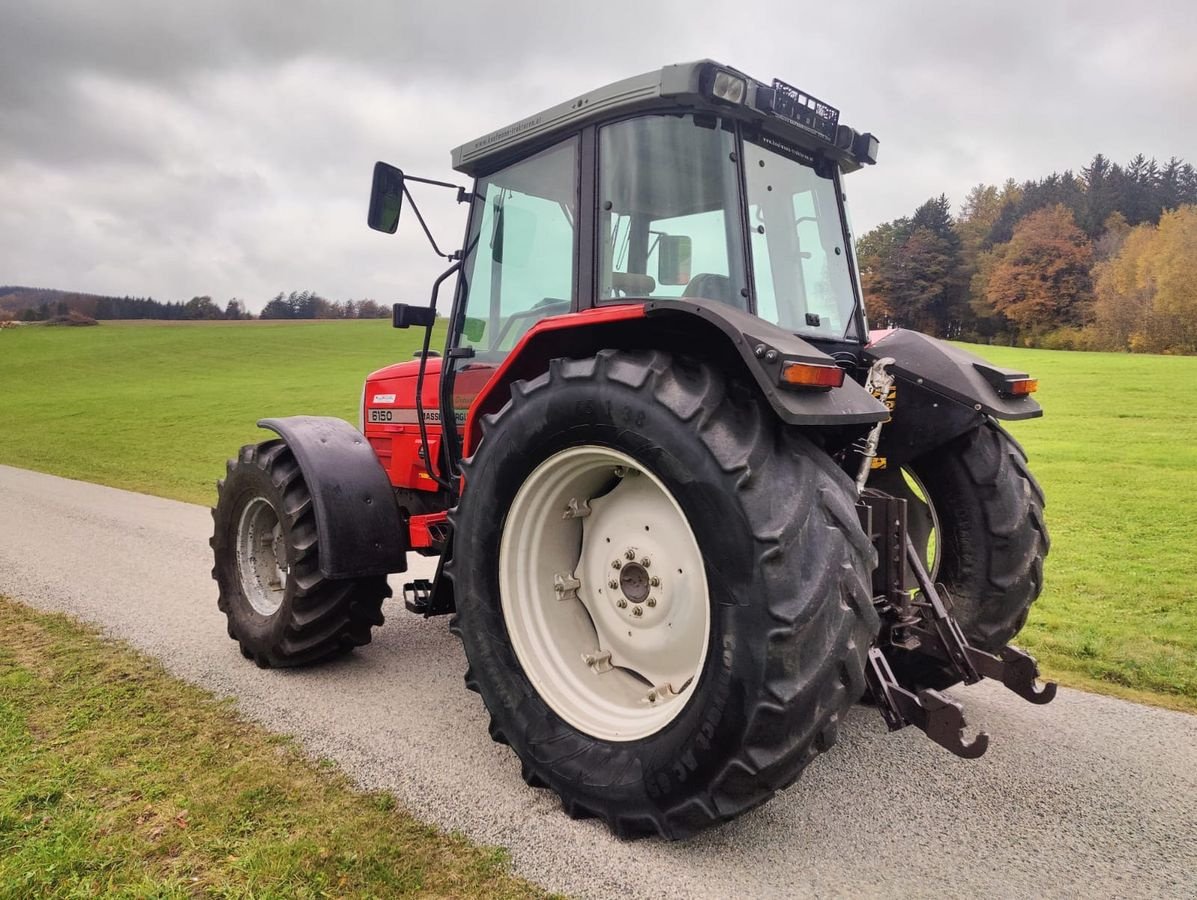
{"x":694,"y":181}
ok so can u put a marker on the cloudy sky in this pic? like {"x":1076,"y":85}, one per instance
{"x":152,"y":147}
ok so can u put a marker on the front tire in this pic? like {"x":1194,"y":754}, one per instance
{"x":772,"y":630}
{"x":281,"y":610}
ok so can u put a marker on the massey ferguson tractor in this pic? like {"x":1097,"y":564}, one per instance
{"x":688,"y":510}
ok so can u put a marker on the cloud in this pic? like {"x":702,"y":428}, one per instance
{"x":225,"y":148}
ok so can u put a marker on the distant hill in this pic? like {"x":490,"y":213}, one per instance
{"x":35,"y":304}
{"x":15,"y":298}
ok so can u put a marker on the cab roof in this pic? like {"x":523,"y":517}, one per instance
{"x":685,"y":86}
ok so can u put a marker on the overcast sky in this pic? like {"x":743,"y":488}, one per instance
{"x":150,"y":147}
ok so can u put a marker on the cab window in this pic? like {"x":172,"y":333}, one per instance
{"x":669,"y":210}
{"x":519,"y":263}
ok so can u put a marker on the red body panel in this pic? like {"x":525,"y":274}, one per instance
{"x":391,"y":393}
{"x":420,"y":530}
{"x":511,"y":368}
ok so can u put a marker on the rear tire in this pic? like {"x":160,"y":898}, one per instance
{"x":786,"y":592}
{"x":991,"y":542}
{"x":281,"y":610}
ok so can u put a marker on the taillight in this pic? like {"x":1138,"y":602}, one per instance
{"x":810,"y":375}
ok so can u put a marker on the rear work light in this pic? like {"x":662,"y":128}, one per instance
{"x":721,"y":84}
{"x":810,"y":375}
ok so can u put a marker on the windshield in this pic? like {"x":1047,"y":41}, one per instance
{"x":800,"y":266}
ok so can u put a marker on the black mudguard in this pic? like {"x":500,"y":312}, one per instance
{"x":940,"y":392}
{"x":764,"y":347}
{"x":360,"y":530}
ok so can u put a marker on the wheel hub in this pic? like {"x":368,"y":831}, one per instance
{"x":633,"y":581}
{"x":262,"y":557}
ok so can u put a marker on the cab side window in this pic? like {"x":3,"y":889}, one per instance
{"x":519,"y":264}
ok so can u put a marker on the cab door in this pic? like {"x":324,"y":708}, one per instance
{"x":520,"y":263}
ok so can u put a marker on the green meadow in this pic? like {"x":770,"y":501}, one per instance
{"x":158,"y":408}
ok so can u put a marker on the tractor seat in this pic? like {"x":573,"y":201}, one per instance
{"x":630,"y":284}
{"x":708,"y":286}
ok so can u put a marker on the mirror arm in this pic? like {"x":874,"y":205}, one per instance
{"x":463,"y":196}
{"x":428,"y":234}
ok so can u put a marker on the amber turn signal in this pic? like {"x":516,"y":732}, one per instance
{"x":1022,"y":386}
{"x":811,"y":375}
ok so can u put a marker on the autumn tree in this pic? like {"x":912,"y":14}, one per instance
{"x":911,"y":272}
{"x":1147,"y":293}
{"x":1040,"y":279}
{"x":873,"y":254}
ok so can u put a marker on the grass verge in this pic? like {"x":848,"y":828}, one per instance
{"x":116,"y":778}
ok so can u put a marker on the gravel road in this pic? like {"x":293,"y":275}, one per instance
{"x":1088,"y":795}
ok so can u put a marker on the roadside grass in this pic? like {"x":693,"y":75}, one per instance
{"x":159,"y":408}
{"x":1116,"y":452}
{"x":117,"y":779}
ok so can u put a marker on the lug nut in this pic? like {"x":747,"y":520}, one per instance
{"x":613,"y":584}
{"x":629,"y":554}
{"x":637,"y":611}
{"x":655,"y":581}
{"x":646,"y":562}
{"x":652,"y":601}
{"x":622,"y":603}
{"x":616,"y":564}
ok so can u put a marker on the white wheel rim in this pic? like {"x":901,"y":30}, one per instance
{"x":261,"y":557}
{"x":610,"y":671}
{"x":933,"y":553}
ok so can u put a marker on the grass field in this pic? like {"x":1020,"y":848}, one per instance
{"x":118,"y":780}
{"x":159,"y":408}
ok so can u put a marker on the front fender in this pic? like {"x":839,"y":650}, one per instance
{"x":357,"y":521}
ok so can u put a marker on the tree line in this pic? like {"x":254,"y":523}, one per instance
{"x":1103,"y":259}
{"x":42,"y":305}
{"x":310,"y":305}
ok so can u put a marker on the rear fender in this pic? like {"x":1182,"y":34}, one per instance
{"x":357,"y":520}
{"x":733,"y":341}
{"x":940,"y":392}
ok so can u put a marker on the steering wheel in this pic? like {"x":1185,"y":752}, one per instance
{"x":549,"y":306}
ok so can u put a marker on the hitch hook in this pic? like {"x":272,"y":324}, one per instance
{"x":938,"y":716}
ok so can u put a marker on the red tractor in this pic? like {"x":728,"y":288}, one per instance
{"x":687,"y":509}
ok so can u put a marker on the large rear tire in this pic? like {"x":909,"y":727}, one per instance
{"x":990,"y":539}
{"x":743,"y":532}
{"x":280,"y":608}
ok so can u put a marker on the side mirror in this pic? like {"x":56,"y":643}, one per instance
{"x":386,"y":198}
{"x":673,"y":259}
{"x":404,"y":315}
